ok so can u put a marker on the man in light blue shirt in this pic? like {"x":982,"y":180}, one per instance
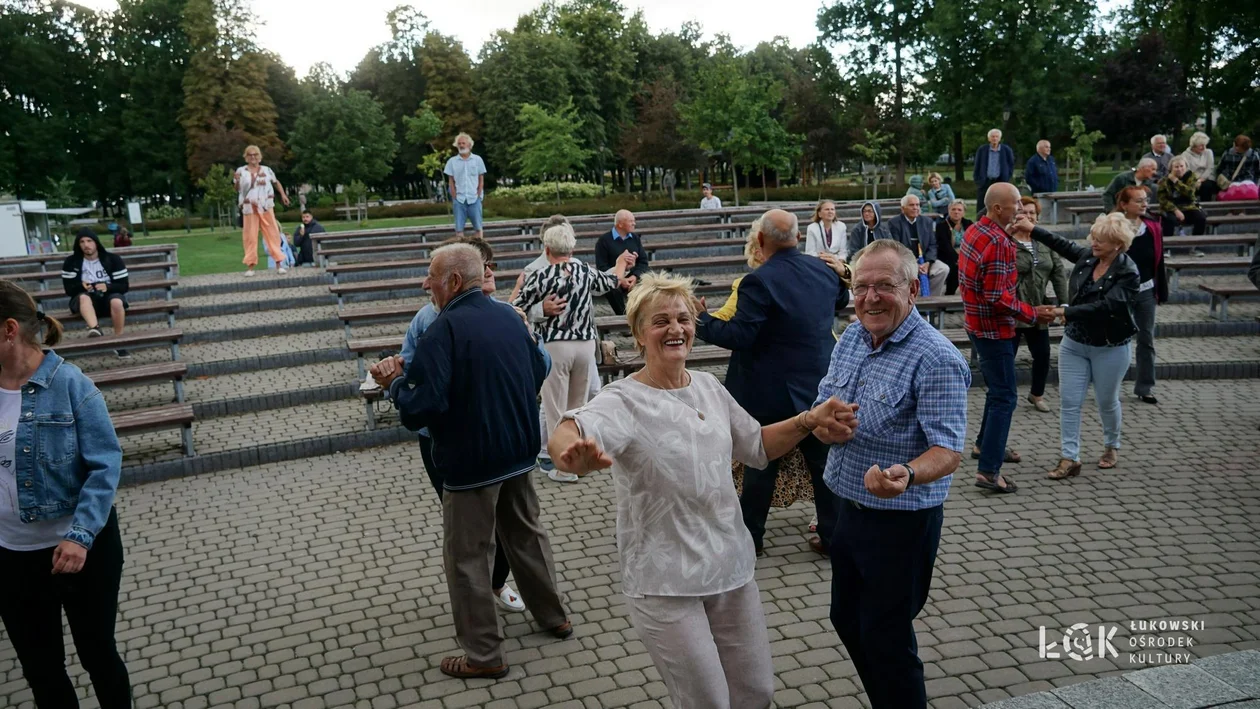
{"x":466,"y":175}
{"x":909,"y":385}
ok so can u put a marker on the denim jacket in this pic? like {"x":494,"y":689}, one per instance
{"x":68,"y":459}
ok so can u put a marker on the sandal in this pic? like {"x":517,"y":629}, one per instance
{"x":1108,"y":459}
{"x":1065,"y":469}
{"x":1011,"y":455}
{"x":991,"y":483}
{"x":562,"y":631}
{"x":460,"y":667}
{"x":813,"y":525}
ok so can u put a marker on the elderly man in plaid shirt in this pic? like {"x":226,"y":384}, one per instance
{"x":986,"y":281}
{"x":892,"y":477}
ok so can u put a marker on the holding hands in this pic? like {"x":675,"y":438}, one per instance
{"x":1049,"y":314}
{"x":832,"y":421}
{"x":387,"y":370}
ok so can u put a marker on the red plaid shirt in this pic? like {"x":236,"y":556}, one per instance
{"x":986,"y":281}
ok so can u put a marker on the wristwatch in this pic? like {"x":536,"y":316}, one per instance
{"x":911,"y":471}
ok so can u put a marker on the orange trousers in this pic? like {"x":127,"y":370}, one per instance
{"x":271,"y":237}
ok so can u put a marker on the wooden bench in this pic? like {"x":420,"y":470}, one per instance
{"x":144,"y":307}
{"x":1219,"y":220}
{"x":1222,"y":294}
{"x":162,"y":371}
{"x":170,"y":416}
{"x":43,"y":277}
{"x":1177,"y":265}
{"x":701,"y":356}
{"x":167,"y":285}
{"x":129,"y":253}
{"x":1244,"y":242}
{"x":126,"y":341}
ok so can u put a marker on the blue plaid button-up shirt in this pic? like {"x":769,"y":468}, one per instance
{"x":912,"y":395}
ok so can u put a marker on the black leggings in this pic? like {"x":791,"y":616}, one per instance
{"x":31,"y":601}
{"x":1039,"y":347}
{"x":1195,"y":219}
{"x":499,"y":575}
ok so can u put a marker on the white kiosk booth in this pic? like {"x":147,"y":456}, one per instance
{"x":25,"y":228}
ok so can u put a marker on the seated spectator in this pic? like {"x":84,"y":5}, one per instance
{"x":1161,"y":154}
{"x":1142,"y":175}
{"x":621,"y":239}
{"x":709,"y":201}
{"x":1238,"y":172}
{"x":939,"y":194}
{"x":916,"y":188}
{"x":949,"y":236}
{"x":1179,"y":200}
{"x":871,"y":228}
{"x":122,"y":237}
{"x":1202,"y":162}
{"x":570,"y":336}
{"x":96,"y":281}
{"x":919,"y":235}
{"x":302,"y":242}
{"x":1041,"y":174}
{"x":825,"y":233}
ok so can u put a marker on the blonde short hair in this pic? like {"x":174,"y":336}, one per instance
{"x":1199,"y":138}
{"x":471,"y":142}
{"x":652,"y":289}
{"x":560,"y":239}
{"x":936,"y":176}
{"x":1113,"y":228}
{"x":254,"y":148}
{"x":752,"y":244}
{"x":1178,"y":160}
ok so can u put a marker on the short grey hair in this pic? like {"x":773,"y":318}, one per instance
{"x":1158,"y":137}
{"x":1147,"y":162}
{"x":471,"y":142}
{"x":560,"y":240}
{"x":463,"y":259}
{"x":958,"y":203}
{"x":994,"y":130}
{"x":1199,"y":138}
{"x":781,"y":236}
{"x":909,"y":262}
{"x":905,"y":199}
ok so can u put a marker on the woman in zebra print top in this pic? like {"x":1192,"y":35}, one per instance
{"x":569,"y":337}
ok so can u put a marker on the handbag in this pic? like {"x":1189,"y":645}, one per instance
{"x":793,"y":483}
{"x":606,"y":352}
{"x":1223,"y":183}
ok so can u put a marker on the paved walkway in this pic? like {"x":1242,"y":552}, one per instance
{"x":319,"y":583}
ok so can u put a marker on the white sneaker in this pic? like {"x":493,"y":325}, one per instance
{"x":508,"y":600}
{"x":562,"y":477}
{"x":249,"y":273}
{"x":282,"y":270}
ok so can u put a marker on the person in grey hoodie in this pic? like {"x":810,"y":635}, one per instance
{"x":870,"y":228}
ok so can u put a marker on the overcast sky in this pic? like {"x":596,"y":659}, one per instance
{"x":304,"y":32}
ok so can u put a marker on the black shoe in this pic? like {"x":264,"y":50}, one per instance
{"x":123,"y":354}
{"x":94,"y":332}
{"x":1148,"y":398}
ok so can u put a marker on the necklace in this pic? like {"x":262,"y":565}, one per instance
{"x":677,"y":397}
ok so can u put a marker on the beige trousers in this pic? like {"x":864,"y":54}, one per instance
{"x":713,"y":652}
{"x":568,"y":384}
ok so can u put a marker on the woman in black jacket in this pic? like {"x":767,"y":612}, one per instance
{"x":1100,"y":324}
{"x":949,"y":234}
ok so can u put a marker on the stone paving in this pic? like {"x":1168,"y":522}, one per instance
{"x":319,"y":583}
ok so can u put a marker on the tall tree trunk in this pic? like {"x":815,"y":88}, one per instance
{"x":765,"y":196}
{"x":897,"y":104}
{"x":958,"y":158}
{"x":735,"y":173}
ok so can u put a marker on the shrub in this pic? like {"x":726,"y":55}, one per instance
{"x":546,"y":192}
{"x":325,"y":200}
{"x":162,"y":212}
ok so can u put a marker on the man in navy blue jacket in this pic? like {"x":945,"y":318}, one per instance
{"x":474,"y":382}
{"x":995,"y":162}
{"x":780,"y":340}
{"x":1041,"y":174}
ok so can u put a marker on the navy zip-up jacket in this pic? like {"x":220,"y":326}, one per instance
{"x":474,"y":382}
{"x":1041,"y":174}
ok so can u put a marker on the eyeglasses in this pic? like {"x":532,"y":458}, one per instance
{"x":492,"y":265}
{"x":880,"y":288}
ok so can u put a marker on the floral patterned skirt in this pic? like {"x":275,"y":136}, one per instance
{"x":793,"y":484}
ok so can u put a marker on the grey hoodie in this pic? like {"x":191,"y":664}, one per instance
{"x":861,"y":235}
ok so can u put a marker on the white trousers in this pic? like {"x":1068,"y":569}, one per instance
{"x":713,"y":652}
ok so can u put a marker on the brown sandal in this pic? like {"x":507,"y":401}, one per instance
{"x":460,"y":667}
{"x":1065,"y":469}
{"x":1108,"y":459}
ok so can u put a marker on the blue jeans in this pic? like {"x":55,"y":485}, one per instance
{"x":997,"y":364}
{"x":467,"y":212}
{"x":1078,"y":366}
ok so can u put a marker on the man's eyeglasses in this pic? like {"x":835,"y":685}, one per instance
{"x":492,"y":265}
{"x":880,"y":288}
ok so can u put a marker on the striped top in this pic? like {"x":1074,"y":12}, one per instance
{"x":576,"y":283}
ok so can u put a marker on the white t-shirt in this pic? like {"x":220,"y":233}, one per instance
{"x":93,"y":272}
{"x":711,"y":203}
{"x":14,"y":535}
{"x":255,"y":195}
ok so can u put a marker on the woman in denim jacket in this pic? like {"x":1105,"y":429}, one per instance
{"x":60,"y":548}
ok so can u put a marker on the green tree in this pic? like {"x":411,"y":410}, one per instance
{"x":1081,"y":151}
{"x":340,"y":138}
{"x":425,"y":133}
{"x":550,"y":146}
{"x":447,"y":72}
{"x":655,"y":138}
{"x":220,"y":194}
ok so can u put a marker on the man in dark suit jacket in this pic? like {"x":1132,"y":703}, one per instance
{"x":995,"y":162}
{"x":918,"y":233}
{"x":780,"y":340}
{"x":610,"y":246}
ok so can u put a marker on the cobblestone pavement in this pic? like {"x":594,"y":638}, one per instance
{"x":319,"y":583}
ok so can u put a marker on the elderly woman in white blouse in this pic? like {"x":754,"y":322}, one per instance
{"x":687,"y":560}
